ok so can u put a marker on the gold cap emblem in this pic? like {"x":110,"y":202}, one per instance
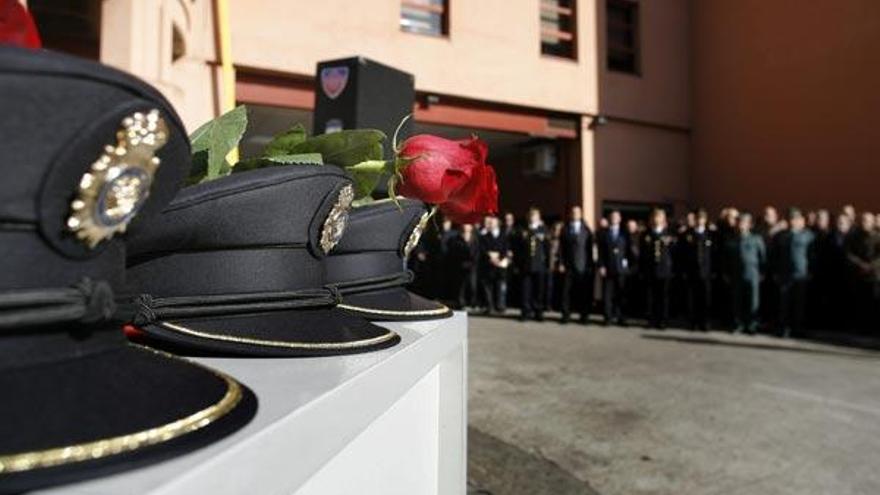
{"x":117,"y":184}
{"x":337,"y":219}
{"x":416,"y":234}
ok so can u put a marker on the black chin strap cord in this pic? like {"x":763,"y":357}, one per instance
{"x":86,"y":302}
{"x":375,"y":283}
{"x":147,"y":309}
{"x":91,"y":301}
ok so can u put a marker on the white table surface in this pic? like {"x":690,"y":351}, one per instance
{"x":309,"y":410}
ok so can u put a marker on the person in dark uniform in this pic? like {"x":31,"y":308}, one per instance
{"x":863,"y":256}
{"x":767,"y":227}
{"x":532,"y":259}
{"x":576,"y":265}
{"x":726,"y":266}
{"x":613,"y":269}
{"x":510,"y":232}
{"x":697,"y":253}
{"x":552,"y":296}
{"x":635,"y":287}
{"x":747,"y":255}
{"x":830,"y":279}
{"x":656,"y":266}
{"x":790,"y":259}
{"x":464,"y":257}
{"x":494,"y":263}
{"x":446,"y":272}
{"x":819,"y":288}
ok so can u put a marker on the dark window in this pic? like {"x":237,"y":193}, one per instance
{"x":558,"y":28}
{"x":623,"y":36}
{"x":429,"y":17}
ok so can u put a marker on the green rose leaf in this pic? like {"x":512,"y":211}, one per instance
{"x":345,"y":148}
{"x":285,"y":143}
{"x":366,"y":176}
{"x":213,"y":141}
{"x":270,"y":161}
{"x":299,"y":159}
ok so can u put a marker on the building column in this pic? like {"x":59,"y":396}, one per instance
{"x":170,"y":44}
{"x":589,"y":202}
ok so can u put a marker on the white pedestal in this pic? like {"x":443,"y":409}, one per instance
{"x":389,"y":422}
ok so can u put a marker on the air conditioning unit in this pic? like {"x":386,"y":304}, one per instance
{"x":540,"y":160}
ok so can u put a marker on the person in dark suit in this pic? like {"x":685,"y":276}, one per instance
{"x":533,"y":259}
{"x":443,"y":264}
{"x":820,"y":287}
{"x":656,"y":266}
{"x":464,"y":257}
{"x":510,"y":232}
{"x":576,"y":265}
{"x":791,"y":257}
{"x":635,"y":287}
{"x":830,"y":280}
{"x":726,"y":265}
{"x":863,"y":257}
{"x":613,"y":268}
{"x":494,"y":262}
{"x":697,"y":256}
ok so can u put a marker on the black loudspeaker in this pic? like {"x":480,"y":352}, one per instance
{"x":358,"y":93}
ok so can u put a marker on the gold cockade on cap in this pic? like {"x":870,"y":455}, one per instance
{"x":416,"y":235}
{"x":118,"y":183}
{"x":337,"y":219}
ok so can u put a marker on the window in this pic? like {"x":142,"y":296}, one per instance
{"x":558,"y":28}
{"x":429,"y":17}
{"x":623,"y":36}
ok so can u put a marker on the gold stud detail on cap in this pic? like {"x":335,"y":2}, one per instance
{"x":416,"y":235}
{"x":337,"y":219}
{"x":117,"y":185}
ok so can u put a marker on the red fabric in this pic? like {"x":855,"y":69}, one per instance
{"x":133,"y":332}
{"x":17,"y":26}
{"x":451,"y":174}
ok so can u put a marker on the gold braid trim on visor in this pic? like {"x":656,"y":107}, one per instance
{"x":26,"y":461}
{"x":279,"y":343}
{"x":391,"y":312}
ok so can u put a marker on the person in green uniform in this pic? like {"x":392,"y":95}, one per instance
{"x":751,"y":255}
{"x":791,"y":259}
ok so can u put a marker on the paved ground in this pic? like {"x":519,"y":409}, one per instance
{"x":618,"y":411}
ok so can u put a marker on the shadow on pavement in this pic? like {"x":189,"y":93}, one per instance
{"x":840,"y":339}
{"x":496,"y":467}
{"x":708,"y":340}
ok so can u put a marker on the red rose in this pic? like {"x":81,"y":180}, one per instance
{"x":451,"y":174}
{"x":477,"y":198}
{"x":17,"y":26}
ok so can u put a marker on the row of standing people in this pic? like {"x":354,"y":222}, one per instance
{"x":641,"y":271}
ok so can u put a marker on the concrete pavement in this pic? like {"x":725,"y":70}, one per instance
{"x":618,"y":411}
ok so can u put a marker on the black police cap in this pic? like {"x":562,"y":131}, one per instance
{"x":89,"y":153}
{"x":234,"y":266}
{"x":369,"y":265}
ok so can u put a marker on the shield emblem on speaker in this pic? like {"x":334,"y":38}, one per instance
{"x":334,"y":80}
